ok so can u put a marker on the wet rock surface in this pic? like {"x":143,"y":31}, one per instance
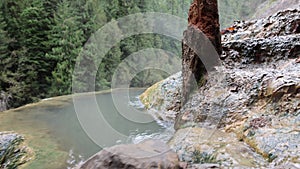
{"x":265,"y":40}
{"x":283,"y":23}
{"x":260,"y":105}
{"x":12,"y":153}
{"x":256,"y":92}
{"x":241,"y":53}
{"x":148,"y":154}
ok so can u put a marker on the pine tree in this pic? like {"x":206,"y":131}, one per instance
{"x":68,"y":38}
{"x":27,"y":68}
{"x":11,"y":49}
{"x":4,"y":53}
{"x":93,"y":17}
{"x":35,"y":66}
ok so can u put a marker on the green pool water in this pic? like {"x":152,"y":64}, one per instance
{"x":53,"y":132}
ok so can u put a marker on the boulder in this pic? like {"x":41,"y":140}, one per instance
{"x":147,"y":154}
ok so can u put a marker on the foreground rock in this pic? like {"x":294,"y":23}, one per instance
{"x":148,"y":154}
{"x":260,"y":105}
{"x":206,"y":146}
{"x":12,"y":153}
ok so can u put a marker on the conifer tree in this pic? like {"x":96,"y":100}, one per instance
{"x":35,"y":67}
{"x":68,"y":38}
{"x":4,"y":54}
{"x":10,"y":57}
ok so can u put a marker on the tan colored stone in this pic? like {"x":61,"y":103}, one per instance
{"x":147,"y":154}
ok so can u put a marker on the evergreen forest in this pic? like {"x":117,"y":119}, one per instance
{"x":40,"y":41}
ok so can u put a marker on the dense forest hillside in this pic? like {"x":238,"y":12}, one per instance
{"x":40,"y":41}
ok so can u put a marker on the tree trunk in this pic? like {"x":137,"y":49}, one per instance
{"x":203,"y":28}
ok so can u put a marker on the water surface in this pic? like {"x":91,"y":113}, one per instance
{"x":52,"y":130}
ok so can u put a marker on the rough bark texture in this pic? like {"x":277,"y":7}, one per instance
{"x":203,"y":17}
{"x":203,"y":14}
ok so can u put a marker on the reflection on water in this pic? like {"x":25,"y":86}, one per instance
{"x":52,"y":129}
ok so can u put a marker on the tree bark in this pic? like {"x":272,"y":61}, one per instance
{"x":203,"y":25}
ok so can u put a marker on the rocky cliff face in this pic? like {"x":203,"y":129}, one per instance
{"x":203,"y":23}
{"x":253,"y":98}
{"x":255,"y":94}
